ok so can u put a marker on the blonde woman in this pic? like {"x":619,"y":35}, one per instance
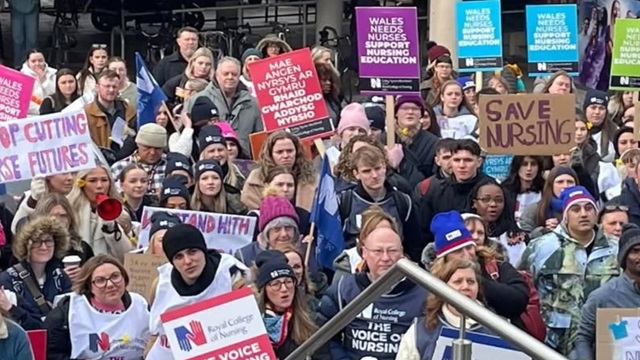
{"x":210,"y":194}
{"x":105,"y":237}
{"x":200,"y":66}
{"x":321,"y":54}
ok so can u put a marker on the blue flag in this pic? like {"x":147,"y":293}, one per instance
{"x":150,"y":95}
{"x":326,"y":217}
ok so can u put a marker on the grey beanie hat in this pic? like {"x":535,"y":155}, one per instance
{"x":630,"y":237}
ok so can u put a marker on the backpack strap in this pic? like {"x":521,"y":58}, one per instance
{"x":403,"y":204}
{"x":344,"y":207}
{"x":491,"y":267}
{"x":34,"y":289}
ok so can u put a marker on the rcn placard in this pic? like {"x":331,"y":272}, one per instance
{"x":552,"y":39}
{"x":45,"y":145}
{"x":625,"y":63}
{"x":479,"y":35}
{"x":388,"y":50}
{"x":290,"y":96}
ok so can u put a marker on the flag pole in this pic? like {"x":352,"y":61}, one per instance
{"x":307,"y":254}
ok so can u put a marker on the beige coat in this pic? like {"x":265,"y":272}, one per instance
{"x":253,"y":187}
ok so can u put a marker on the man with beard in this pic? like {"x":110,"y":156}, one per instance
{"x":619,"y":293}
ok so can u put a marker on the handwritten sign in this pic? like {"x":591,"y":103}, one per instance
{"x":223,"y":232}
{"x":226,"y":327}
{"x":45,"y":145}
{"x":388,"y":50}
{"x":142,"y":270}
{"x":15,"y":94}
{"x":290,"y":96}
{"x":617,"y":334}
{"x":484,"y":347}
{"x":531,"y":124}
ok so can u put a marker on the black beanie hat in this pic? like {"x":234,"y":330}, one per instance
{"x":210,"y":135}
{"x":595,"y":97}
{"x":173,"y":186}
{"x":616,"y":137}
{"x":203,"y":166}
{"x":272,"y":264}
{"x":376,"y":117}
{"x":203,"y":110}
{"x":163,"y":221}
{"x":177,"y":161}
{"x":181,"y":237}
{"x":630,"y":237}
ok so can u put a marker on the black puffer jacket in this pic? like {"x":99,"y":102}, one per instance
{"x":419,"y":158}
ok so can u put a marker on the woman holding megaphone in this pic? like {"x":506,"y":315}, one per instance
{"x":97,"y":206}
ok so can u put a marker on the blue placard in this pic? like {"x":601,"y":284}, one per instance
{"x":479,"y":35}
{"x":497,"y":166}
{"x":552,"y":39}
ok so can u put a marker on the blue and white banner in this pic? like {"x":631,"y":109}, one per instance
{"x":552,"y":39}
{"x":497,"y":166}
{"x":479,"y":35}
{"x":485,"y":347}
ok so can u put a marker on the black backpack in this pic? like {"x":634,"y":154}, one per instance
{"x":401,"y":200}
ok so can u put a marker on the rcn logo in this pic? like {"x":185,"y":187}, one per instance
{"x":468,"y":62}
{"x":624,"y":80}
{"x":542,"y":66}
{"x":376,"y":83}
{"x":99,"y":341}
{"x":194,"y":335}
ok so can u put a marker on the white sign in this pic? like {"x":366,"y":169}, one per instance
{"x":485,"y":347}
{"x":226,"y":327}
{"x":45,"y":145}
{"x":223,"y":232}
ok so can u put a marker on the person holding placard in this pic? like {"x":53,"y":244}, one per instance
{"x":41,"y":186}
{"x":213,"y":146}
{"x":211,"y":193}
{"x":160,"y":223}
{"x":281,"y":149}
{"x":619,"y":293}
{"x":353,"y":122}
{"x":419,"y":342}
{"x":454,"y":114}
{"x":193,"y":274}
{"x":36,"y":66}
{"x":284,"y":306}
{"x":66,"y":93}
{"x":100,"y":319}
{"x":577,"y":243}
{"x":602,"y":129}
{"x":39,"y":275}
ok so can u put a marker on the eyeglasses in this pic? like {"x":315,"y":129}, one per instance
{"x":38,"y":243}
{"x":488,"y":200}
{"x":379,"y":252}
{"x":101,"y":282}
{"x":277,"y":285}
{"x":99,"y":46}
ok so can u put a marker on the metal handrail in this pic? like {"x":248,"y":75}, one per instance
{"x":406,"y":268}
{"x":117,"y":31}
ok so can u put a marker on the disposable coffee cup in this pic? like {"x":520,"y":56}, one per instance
{"x":71,"y":260}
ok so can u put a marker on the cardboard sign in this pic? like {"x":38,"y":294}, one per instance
{"x":388,"y":50}
{"x":617,"y":334}
{"x":484,"y":347}
{"x":479,"y":35}
{"x":290,"y":96}
{"x":497,"y":166}
{"x":223,"y":232}
{"x":226,"y":327}
{"x":45,"y":145}
{"x":527,"y":124}
{"x":625,"y":59}
{"x":552,"y":39}
{"x":257,"y":140}
{"x":38,"y":341}
{"x":15,"y":94}
{"x":142,"y":270}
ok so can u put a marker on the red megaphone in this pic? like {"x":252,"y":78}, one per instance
{"x":108,"y":209}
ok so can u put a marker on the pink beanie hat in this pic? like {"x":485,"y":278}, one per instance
{"x":353,"y":115}
{"x":227,"y":131}
{"x":273,"y":207}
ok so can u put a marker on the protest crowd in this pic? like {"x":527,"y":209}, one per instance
{"x":215,"y":183}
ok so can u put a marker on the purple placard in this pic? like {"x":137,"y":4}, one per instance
{"x":388,"y":50}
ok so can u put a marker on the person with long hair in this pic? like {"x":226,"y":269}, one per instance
{"x":330,"y":82}
{"x":321,"y":54}
{"x":104,"y":236}
{"x":41,"y":186}
{"x":544,"y":216}
{"x":161,"y":222}
{"x":281,"y":149}
{"x":419,"y":342}
{"x":95,"y":62}
{"x":429,"y":121}
{"x":133,"y":183}
{"x":618,"y":103}
{"x":66,"y":93}
{"x":39,"y":275}
{"x":524,"y":183}
{"x":479,"y":230}
{"x":442,"y":68}
{"x":200,"y":66}
{"x":454,"y":114}
{"x":213,"y":146}
{"x":210,"y":194}
{"x":623,"y":140}
{"x":283,"y":181}
{"x":602,"y":129}
{"x":99,"y":302}
{"x":283,"y":306}
{"x":560,"y":82}
{"x":312,"y":285}
{"x":498,"y":83}
{"x":44,"y":85}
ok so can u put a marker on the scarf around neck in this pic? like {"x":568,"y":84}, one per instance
{"x":277,"y":326}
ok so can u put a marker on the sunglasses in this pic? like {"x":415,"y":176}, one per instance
{"x":616,"y":208}
{"x":99,"y":46}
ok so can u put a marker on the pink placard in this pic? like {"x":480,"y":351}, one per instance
{"x":15,"y":94}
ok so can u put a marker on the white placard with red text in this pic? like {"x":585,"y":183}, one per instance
{"x":226,"y":327}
